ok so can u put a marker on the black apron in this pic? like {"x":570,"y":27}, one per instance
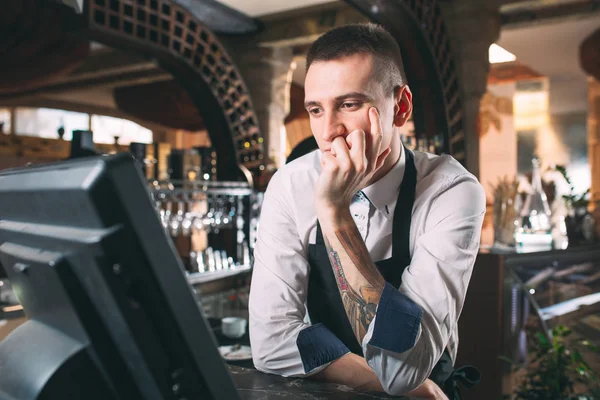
{"x":324,"y":302}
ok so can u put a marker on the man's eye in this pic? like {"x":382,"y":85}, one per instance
{"x":314,"y":111}
{"x":349,"y":105}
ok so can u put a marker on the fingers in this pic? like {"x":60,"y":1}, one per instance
{"x":357,"y":142}
{"x":341,"y":152}
{"x":328,"y":161}
{"x":376,"y":136}
{"x":358,"y":154}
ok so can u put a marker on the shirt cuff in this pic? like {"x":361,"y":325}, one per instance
{"x":397,"y":321}
{"x":318,"y":346}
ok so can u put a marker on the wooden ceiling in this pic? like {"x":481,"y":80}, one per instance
{"x":36,"y":45}
{"x":94,"y":86}
{"x":164,"y":102}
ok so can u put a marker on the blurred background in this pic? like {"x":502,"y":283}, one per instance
{"x":208,"y":97}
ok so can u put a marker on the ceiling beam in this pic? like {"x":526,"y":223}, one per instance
{"x":106,"y":62}
{"x":301,"y":27}
{"x":165,"y":102}
{"x":90,"y":82}
{"x":520,"y":14}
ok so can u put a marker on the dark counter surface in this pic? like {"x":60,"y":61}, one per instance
{"x":255,"y":385}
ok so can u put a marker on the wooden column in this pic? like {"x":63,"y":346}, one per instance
{"x":593,"y":128}
{"x":473,"y":26}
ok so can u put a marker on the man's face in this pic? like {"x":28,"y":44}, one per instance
{"x":338,"y":95}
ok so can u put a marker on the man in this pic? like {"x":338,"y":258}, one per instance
{"x":376,"y":242}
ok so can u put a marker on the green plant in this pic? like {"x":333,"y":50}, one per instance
{"x":573,"y":200}
{"x":557,"y":370}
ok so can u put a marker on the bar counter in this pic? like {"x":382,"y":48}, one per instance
{"x":255,"y":385}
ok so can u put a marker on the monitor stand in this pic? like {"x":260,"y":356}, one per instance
{"x":42,"y":363}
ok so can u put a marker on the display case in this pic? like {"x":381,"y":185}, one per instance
{"x":512,"y":295}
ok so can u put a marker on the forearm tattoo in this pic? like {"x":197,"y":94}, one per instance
{"x":352,"y":242}
{"x":360,"y":306}
{"x":336,"y":264}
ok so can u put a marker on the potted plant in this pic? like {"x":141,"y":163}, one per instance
{"x":556,"y":369}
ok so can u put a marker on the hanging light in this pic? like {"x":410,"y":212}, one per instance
{"x":498,"y":54}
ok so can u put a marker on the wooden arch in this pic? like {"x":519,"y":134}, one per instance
{"x":182,"y":45}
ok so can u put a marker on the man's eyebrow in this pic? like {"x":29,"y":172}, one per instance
{"x":311,"y":103}
{"x":352,"y":95}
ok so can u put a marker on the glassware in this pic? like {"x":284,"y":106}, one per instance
{"x":177,"y":219}
{"x":535,"y":230}
{"x":505,"y":211}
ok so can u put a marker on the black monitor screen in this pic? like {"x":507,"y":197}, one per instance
{"x":110,"y":313}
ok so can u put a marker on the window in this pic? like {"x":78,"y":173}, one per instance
{"x":106,"y":128}
{"x":44,"y":122}
{"x":5,"y":120}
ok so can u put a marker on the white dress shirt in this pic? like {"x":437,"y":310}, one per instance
{"x":444,"y":239}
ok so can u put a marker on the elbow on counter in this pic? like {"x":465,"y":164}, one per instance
{"x":400,"y":386}
{"x":258,"y":359}
{"x":262,"y":358}
{"x":275,"y":366}
{"x":267,"y":361}
{"x":400,"y":374}
{"x":262,"y":364}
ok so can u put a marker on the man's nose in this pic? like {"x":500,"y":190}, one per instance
{"x":333,"y":127}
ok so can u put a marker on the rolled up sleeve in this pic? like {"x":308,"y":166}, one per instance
{"x":282,"y":342}
{"x":413,"y":324}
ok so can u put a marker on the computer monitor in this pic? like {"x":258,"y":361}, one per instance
{"x":110,"y":312}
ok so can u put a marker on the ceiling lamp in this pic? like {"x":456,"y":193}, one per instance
{"x":499,"y":55}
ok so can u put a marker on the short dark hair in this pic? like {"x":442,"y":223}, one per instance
{"x":373,"y":39}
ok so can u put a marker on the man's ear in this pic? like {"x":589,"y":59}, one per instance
{"x":403,"y":107}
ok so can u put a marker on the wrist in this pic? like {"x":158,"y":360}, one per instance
{"x":333,"y":215}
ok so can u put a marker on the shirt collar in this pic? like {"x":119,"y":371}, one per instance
{"x":384,"y":193}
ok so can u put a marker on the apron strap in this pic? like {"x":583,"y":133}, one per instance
{"x":468,"y":376}
{"x":403,"y":210}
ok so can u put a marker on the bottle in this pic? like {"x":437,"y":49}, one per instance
{"x":431,"y":146}
{"x":438,"y":144}
{"x":535,"y":230}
